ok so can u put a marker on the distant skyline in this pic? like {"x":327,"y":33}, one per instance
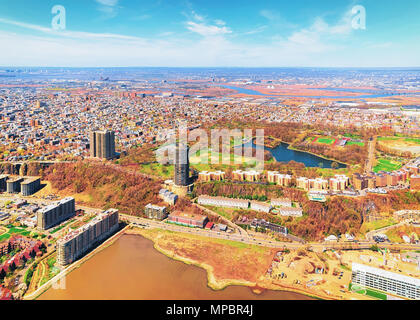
{"x":199,"y":33}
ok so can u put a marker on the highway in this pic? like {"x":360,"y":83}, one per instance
{"x":239,"y":237}
{"x":146,"y":223}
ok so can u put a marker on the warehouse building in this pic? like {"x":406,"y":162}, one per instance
{"x":188,"y":219}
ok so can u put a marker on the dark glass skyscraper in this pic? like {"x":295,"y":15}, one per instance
{"x":182,"y":165}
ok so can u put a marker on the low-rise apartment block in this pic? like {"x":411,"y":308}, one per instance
{"x":284,"y":180}
{"x":281,"y":202}
{"x":261,"y":206}
{"x":168,"y":196}
{"x":211,"y":176}
{"x":155,"y":212}
{"x":290,"y":211}
{"x":223,"y":202}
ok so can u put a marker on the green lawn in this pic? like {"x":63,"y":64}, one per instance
{"x":387,"y":165}
{"x":415,"y":140}
{"x":14,"y":230}
{"x":378,"y":224}
{"x":361,"y":144}
{"x":353,"y":136}
{"x":325,"y":140}
{"x":224,"y":212}
{"x":367,"y":291}
{"x":407,"y":139}
{"x":157,"y":169}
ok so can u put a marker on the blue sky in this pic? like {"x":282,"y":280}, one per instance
{"x":179,"y":33}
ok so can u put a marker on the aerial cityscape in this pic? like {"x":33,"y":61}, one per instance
{"x":217,"y":159}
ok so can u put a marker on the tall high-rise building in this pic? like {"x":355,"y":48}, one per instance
{"x":182,"y":165}
{"x":102,"y":144}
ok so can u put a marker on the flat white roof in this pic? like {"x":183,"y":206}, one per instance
{"x":386,"y":274}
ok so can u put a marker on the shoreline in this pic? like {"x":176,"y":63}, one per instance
{"x":290,"y":147}
{"x":212,"y":282}
{"x":216,"y":284}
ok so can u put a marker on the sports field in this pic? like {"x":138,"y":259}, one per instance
{"x":324,"y":140}
{"x":386,"y":165}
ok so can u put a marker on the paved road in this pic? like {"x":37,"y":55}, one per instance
{"x":371,"y":155}
{"x":251,"y":239}
{"x":146,"y":223}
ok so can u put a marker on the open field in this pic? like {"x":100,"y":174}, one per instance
{"x":166,"y":171}
{"x":204,"y":159}
{"x":13,"y":230}
{"x":325,"y":140}
{"x":227,"y":262}
{"x":386,"y":165}
{"x":357,"y":143}
{"x":396,"y":234}
{"x":401,"y":144}
{"x":375,"y":225}
{"x":224,"y":212}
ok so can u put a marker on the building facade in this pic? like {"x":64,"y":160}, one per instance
{"x":3,"y":183}
{"x":102,"y":144}
{"x":223,"y":202}
{"x":78,"y":242}
{"x":188,"y":219}
{"x":155,"y":212}
{"x":30,"y":186}
{"x":13,"y":185}
{"x":386,"y":281}
{"x":55,"y":213}
{"x":182,"y":165}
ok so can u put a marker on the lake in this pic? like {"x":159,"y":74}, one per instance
{"x":282,"y":154}
{"x":131,"y":269}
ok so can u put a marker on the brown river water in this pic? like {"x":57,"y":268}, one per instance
{"x":131,"y":269}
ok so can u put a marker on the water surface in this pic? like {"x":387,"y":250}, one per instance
{"x":132,"y":269}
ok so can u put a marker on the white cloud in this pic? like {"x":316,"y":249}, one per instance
{"x":219,"y":22}
{"x":109,"y":3}
{"x":207,"y":30}
{"x":108,"y":7}
{"x":316,"y":45}
{"x":67,"y":33}
{"x":197,"y":17}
